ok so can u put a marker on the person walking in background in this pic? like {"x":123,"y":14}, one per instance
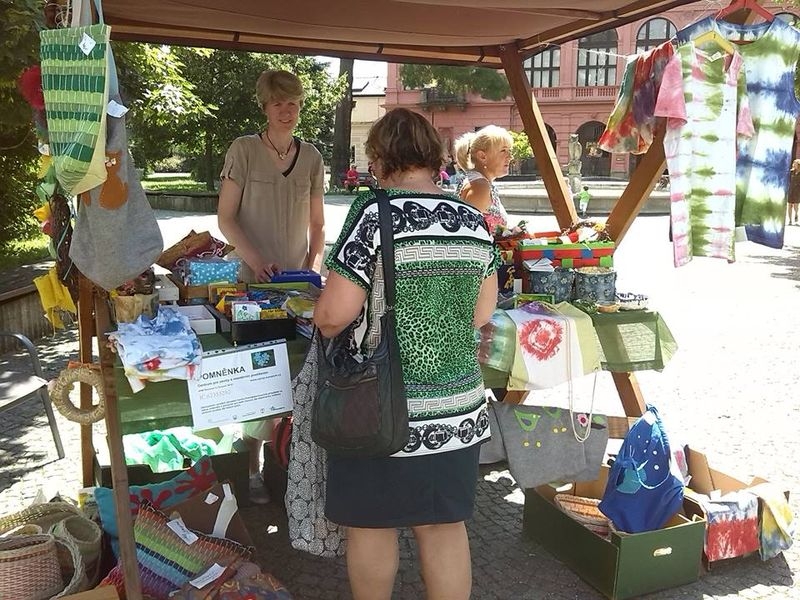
{"x":794,"y":194}
{"x":445,"y":269}
{"x":484,"y":155}
{"x":271,"y":209}
{"x":583,"y":200}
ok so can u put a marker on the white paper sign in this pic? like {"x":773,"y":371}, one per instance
{"x":213,"y":573}
{"x":245,"y":383}
{"x":115,"y":109}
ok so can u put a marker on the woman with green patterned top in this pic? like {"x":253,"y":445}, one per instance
{"x":446,"y":286}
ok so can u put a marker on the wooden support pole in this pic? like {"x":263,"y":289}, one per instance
{"x":119,"y":470}
{"x":629,"y":393}
{"x":543,"y":151}
{"x":85,"y":334}
{"x":642,"y":182}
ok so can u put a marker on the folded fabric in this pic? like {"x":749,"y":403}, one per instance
{"x":554,"y":345}
{"x":732,"y":528}
{"x":777,"y":521}
{"x":202,"y":271}
{"x":158,"y":349}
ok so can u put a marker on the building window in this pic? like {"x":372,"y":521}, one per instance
{"x":597,"y":60}
{"x":543,"y":68}
{"x":654,"y":33}
{"x":789,"y":18}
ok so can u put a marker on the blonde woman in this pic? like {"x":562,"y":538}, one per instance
{"x":484,"y":155}
{"x":271,"y":208}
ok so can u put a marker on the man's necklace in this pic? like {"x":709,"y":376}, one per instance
{"x":281,"y":155}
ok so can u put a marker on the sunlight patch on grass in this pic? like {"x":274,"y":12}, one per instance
{"x":25,"y":252}
{"x":179,"y":183}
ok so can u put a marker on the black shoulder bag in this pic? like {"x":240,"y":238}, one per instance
{"x":360,"y":409}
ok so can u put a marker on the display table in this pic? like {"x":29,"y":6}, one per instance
{"x":636,"y":340}
{"x":165,"y":404}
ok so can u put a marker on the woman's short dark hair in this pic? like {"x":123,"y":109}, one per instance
{"x":403,"y":140}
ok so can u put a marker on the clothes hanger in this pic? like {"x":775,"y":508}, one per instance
{"x":714,"y":36}
{"x":752,"y":5}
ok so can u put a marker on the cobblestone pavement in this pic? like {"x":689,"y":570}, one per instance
{"x":730,"y":391}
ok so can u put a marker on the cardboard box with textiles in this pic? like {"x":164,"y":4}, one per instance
{"x":619,"y":565}
{"x":743,"y":515}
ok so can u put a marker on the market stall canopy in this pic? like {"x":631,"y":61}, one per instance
{"x":441,"y":31}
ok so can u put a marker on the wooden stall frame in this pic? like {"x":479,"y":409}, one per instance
{"x":142,"y":25}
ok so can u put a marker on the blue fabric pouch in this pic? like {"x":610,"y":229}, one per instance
{"x":202,"y":271}
{"x":642,"y":494}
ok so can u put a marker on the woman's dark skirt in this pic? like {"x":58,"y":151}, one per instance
{"x":402,"y":492}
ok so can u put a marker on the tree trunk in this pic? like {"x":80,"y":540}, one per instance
{"x":340,"y":158}
{"x":209,"y":160}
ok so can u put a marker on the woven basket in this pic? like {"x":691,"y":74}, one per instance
{"x":29,"y":567}
{"x":73,"y":571}
{"x":45,"y":515}
{"x":86,"y":535}
{"x":585,"y":511}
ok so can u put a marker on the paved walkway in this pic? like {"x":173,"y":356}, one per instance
{"x":730,"y":391}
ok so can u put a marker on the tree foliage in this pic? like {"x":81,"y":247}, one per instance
{"x":488,"y":83}
{"x":521,"y":149}
{"x":19,"y":49}
{"x":224,"y":82}
{"x":159,"y":96}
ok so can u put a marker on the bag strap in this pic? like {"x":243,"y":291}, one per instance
{"x":387,"y":245}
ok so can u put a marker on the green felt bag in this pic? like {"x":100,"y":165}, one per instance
{"x":75,"y":84}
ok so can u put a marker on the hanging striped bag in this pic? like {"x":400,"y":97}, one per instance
{"x":75,"y":84}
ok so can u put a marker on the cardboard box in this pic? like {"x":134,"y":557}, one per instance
{"x":624,"y":565}
{"x":106,"y":592}
{"x":201,"y":320}
{"x":252,"y":332}
{"x":194,"y":294}
{"x":231,"y":466}
{"x":167,"y":290}
{"x":736,"y":534}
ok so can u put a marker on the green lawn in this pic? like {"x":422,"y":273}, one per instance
{"x":168,"y":182}
{"x":25,"y":253}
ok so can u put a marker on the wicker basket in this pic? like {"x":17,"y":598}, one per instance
{"x":86,"y":535}
{"x":73,"y":572}
{"x":29,"y":567}
{"x":585,"y":512}
{"x":45,"y":515}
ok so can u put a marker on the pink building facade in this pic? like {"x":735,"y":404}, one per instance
{"x":575,"y":86}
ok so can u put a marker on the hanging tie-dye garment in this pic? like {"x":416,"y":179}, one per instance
{"x":699,"y":98}
{"x":631,"y":126}
{"x":770,"y":52}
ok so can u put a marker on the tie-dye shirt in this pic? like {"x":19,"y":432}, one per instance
{"x":699,"y":98}
{"x":762,"y":168}
{"x":632,"y":122}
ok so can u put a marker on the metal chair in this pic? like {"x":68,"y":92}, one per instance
{"x":17,"y":387}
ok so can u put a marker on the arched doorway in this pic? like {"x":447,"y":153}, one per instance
{"x":595,"y":162}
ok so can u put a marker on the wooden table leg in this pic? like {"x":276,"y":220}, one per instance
{"x":86,"y":333}
{"x":629,"y":393}
{"x":119,"y":471}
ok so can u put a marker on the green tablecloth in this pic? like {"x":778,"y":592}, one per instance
{"x":629,"y":341}
{"x":636,"y":340}
{"x":165,"y":404}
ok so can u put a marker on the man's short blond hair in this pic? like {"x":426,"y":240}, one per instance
{"x":278,"y":85}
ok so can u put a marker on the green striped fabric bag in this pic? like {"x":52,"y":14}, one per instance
{"x":75,"y":84}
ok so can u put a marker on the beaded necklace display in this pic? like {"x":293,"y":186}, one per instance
{"x":281,"y":155}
